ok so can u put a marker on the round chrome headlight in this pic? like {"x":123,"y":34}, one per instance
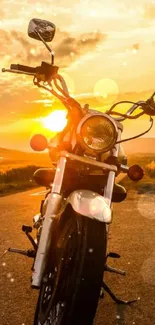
{"x":97,"y":132}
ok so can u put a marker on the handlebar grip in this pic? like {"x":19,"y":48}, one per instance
{"x":24,"y":68}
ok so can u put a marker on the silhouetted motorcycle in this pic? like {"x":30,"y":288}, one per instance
{"x":70,"y":251}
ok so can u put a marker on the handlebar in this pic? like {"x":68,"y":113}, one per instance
{"x":130,"y":111}
{"x":46,"y":72}
{"x":147,"y":107}
{"x":23,"y":68}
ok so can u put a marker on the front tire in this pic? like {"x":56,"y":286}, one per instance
{"x":71,"y":285}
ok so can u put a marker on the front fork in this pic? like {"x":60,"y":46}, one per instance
{"x":53,"y":208}
{"x":108,"y":191}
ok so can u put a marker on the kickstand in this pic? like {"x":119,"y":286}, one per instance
{"x":117,"y":300}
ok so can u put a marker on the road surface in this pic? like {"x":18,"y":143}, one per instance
{"x":132,"y":235}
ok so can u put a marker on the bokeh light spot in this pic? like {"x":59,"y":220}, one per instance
{"x":148,"y":270}
{"x":146,"y":205}
{"x":92,"y":13}
{"x":106,"y":91}
{"x":32,"y":51}
{"x":9,"y":275}
{"x":69,"y":81}
{"x":39,"y":10}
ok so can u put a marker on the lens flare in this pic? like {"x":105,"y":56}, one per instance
{"x":146,"y":205}
{"x":106,"y":91}
{"x":148,"y":270}
{"x":56,"y":121}
{"x":69,"y":81}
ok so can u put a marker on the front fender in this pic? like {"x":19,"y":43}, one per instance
{"x":90,"y":204}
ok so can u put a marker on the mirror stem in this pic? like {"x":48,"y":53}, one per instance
{"x":48,"y":47}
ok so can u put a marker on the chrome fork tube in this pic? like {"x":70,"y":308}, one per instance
{"x":59,"y":175}
{"x":108,"y":191}
{"x":53,"y":208}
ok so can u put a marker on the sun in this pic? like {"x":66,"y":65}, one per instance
{"x":55,"y":121}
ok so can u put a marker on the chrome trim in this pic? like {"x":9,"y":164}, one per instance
{"x":91,"y":205}
{"x":59,"y":175}
{"x":115,"y":150}
{"x":94,"y":113}
{"x":124,"y":168}
{"x":108,"y":191}
{"x":36,"y":218}
{"x":53,"y":208}
{"x":88,"y":161}
{"x":89,"y":116}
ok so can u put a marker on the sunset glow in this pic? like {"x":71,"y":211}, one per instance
{"x":103,"y":48}
{"x":56,"y":121}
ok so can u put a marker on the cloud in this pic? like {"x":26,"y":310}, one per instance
{"x":4,"y":36}
{"x":69,"y":48}
{"x":18,"y":36}
{"x":149,"y":11}
{"x":79,"y":45}
{"x":65,"y":45}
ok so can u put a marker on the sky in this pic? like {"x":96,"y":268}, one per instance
{"x":108,"y":45}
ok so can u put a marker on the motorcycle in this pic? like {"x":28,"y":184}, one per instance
{"x":70,"y":250}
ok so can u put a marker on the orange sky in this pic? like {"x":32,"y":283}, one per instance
{"x":94,"y":40}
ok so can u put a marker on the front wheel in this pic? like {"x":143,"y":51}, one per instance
{"x":72,"y":281}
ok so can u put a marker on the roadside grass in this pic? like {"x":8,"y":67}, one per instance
{"x":17,"y":174}
{"x":147,"y":183}
{"x":17,"y":168}
{"x":11,"y":160}
{"x":151,"y":169}
{"x":17,"y":179}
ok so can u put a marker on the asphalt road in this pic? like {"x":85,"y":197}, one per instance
{"x":132,"y":235}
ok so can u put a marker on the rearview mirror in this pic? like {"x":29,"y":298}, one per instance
{"x":43,"y":28}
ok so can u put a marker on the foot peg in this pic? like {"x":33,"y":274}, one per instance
{"x":29,"y":252}
{"x":113,"y":255}
{"x":113,"y":270}
{"x":27,"y":230}
{"x":117,"y":300}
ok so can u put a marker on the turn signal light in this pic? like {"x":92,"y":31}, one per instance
{"x":38,"y":142}
{"x":135,"y":173}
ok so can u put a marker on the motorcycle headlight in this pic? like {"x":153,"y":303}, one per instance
{"x":97,"y":132}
